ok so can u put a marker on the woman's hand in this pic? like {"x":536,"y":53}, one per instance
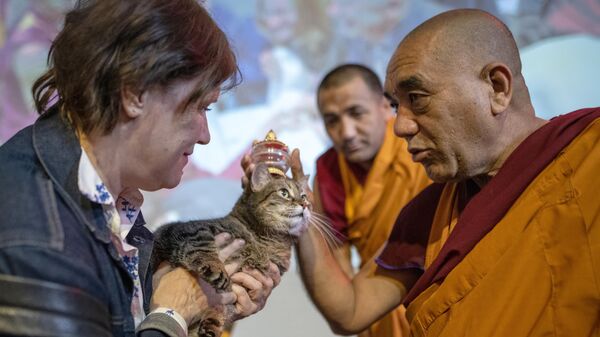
{"x":252,"y":288}
{"x":178,"y":289}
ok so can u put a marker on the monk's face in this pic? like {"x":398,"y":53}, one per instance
{"x":355,"y":119}
{"x":442,"y":111}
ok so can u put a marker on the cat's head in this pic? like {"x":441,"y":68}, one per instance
{"x":278,"y":203}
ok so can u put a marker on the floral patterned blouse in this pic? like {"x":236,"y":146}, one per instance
{"x":120,"y":215}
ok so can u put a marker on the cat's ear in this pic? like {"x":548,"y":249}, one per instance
{"x":260,"y":177}
{"x":303,"y":182}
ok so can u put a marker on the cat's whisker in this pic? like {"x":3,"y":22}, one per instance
{"x":317,"y":226}
{"x":325,"y":221}
{"x":320,"y":216}
{"x":331,"y":232}
{"x":322,"y":219}
{"x":322,"y":224}
{"x":331,"y":240}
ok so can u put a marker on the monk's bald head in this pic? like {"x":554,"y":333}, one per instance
{"x":460,"y":98}
{"x":465,"y":38}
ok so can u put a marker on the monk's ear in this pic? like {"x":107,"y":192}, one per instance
{"x":132,"y":102}
{"x":500,"y":79}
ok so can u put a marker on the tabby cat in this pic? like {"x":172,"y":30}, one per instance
{"x":269,"y":216}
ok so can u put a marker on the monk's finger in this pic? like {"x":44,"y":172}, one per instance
{"x":246,"y":161}
{"x":296,"y":164}
{"x":248,"y":168}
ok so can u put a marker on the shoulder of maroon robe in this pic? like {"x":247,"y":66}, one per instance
{"x":331,"y":191}
{"x":405,"y":248}
{"x":489,"y":206}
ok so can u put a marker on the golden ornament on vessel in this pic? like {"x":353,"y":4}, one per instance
{"x":273,"y":153}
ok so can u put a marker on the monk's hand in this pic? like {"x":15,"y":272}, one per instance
{"x":298,"y":174}
{"x":247,"y":167}
{"x":252,"y":288}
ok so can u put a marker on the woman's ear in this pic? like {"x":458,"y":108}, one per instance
{"x":500,"y":79}
{"x":132,"y":102}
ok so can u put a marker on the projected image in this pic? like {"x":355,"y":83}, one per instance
{"x":26,"y":29}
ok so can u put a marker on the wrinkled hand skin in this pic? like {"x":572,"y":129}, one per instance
{"x":190,"y":297}
{"x":206,"y":308}
{"x":199,"y":303}
{"x":252,"y":289}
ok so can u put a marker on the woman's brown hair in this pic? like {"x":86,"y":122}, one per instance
{"x":108,"y":45}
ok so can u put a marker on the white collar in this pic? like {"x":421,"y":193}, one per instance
{"x":128,"y":203}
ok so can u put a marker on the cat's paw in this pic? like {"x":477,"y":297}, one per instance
{"x":216,"y":276}
{"x":209,"y":328}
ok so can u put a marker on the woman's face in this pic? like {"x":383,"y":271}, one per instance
{"x":163,"y":136}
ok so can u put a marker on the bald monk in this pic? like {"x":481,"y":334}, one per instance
{"x":507,"y":242}
{"x":364,"y":180}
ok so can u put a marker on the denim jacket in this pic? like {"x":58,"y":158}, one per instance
{"x":50,"y":231}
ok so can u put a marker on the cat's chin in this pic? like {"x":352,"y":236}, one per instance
{"x":297,"y":230}
{"x":299,"y":226}
{"x":298,"y":222}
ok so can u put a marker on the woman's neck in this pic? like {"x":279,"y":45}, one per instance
{"x":101,"y":152}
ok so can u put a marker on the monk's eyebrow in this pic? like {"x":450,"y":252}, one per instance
{"x":403,"y":86}
{"x":410,"y":83}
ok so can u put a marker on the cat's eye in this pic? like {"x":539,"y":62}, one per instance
{"x":304,"y":197}
{"x":284,"y":193}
